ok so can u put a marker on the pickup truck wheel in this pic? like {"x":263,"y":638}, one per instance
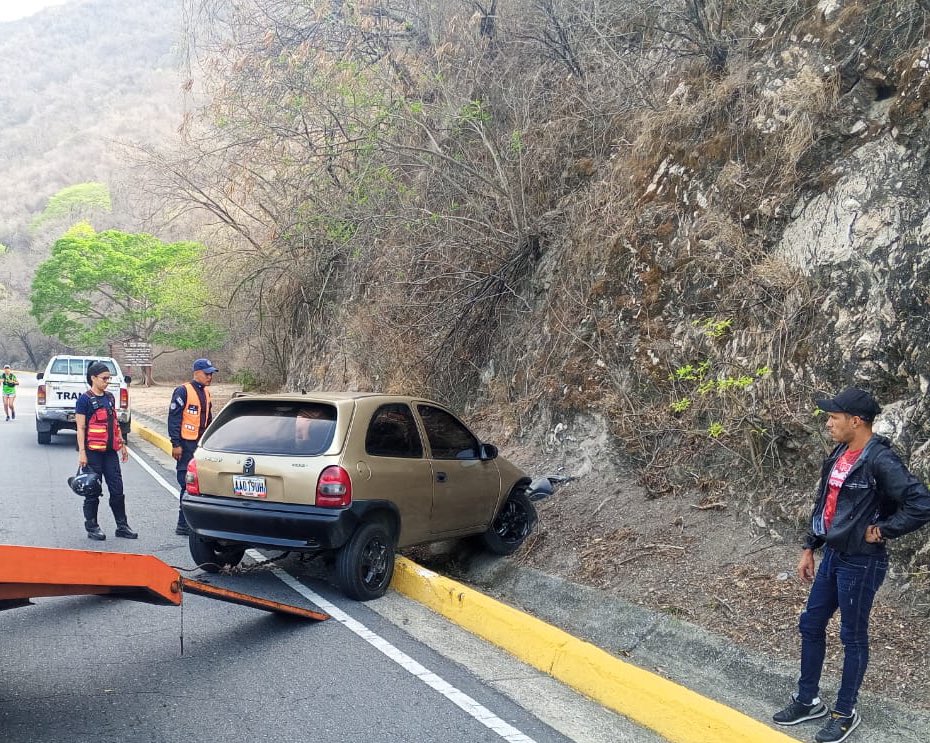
{"x":125,"y":428}
{"x":365,"y":564}
{"x":511,"y":526}
{"x":44,"y":437}
{"x":213,"y":557}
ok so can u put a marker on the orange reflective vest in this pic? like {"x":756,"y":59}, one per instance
{"x":103,"y":431}
{"x":193,"y":419}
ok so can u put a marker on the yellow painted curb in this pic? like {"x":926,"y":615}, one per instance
{"x":675,"y":712}
{"x":162,"y":442}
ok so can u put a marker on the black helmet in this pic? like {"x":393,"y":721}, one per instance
{"x":86,"y":483}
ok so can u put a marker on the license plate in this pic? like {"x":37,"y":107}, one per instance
{"x":253,"y":487}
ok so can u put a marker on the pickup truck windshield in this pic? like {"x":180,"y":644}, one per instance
{"x":76,"y":367}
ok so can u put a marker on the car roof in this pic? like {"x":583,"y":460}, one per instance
{"x":331,"y":397}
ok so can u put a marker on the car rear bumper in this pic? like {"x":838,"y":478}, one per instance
{"x":275,"y":525}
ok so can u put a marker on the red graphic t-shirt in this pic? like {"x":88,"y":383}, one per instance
{"x":835,"y":482}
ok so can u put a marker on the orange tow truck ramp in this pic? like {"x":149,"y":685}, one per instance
{"x":31,"y":572}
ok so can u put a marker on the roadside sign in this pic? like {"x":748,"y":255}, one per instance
{"x":137,"y":353}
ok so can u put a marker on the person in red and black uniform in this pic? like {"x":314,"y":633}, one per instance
{"x":100,"y":448}
{"x":866,"y":497}
{"x":189,"y":414}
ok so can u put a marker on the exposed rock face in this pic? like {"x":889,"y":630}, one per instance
{"x":865,"y":242}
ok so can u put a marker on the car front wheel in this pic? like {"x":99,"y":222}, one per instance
{"x":365,"y":564}
{"x":213,"y":557}
{"x":511,"y":526}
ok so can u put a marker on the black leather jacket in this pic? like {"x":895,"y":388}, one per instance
{"x":878,"y":490}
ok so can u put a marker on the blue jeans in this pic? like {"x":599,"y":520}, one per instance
{"x":848,"y":583}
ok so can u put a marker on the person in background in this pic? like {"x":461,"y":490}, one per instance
{"x":189,"y":414}
{"x":9,"y":381}
{"x":100,"y":447}
{"x":866,"y":497}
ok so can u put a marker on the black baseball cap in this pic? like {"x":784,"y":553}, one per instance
{"x":851,"y":401}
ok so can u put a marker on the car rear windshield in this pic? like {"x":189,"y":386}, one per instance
{"x":77,"y":367}
{"x":268,"y":427}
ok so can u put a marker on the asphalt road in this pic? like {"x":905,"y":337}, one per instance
{"x":103,"y":669}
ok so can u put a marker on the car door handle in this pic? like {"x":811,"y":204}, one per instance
{"x":440,"y":477}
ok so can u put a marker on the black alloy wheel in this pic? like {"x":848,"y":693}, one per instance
{"x":365,"y":564}
{"x":511,"y":526}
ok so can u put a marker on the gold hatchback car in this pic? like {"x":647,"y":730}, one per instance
{"x":358,"y":474}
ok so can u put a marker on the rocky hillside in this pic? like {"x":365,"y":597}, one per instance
{"x":623,"y":231}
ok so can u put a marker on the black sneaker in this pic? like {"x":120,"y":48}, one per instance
{"x":96,"y":533}
{"x":799,"y":712}
{"x":838,"y":727}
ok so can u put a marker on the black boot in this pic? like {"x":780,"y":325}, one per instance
{"x":94,"y":531}
{"x":123,"y":530}
{"x":118,"y":506}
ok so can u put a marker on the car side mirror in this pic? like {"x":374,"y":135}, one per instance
{"x":40,"y":375}
{"x":128,"y":380}
{"x":488,"y":452}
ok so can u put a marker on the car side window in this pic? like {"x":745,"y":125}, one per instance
{"x":448,"y":438}
{"x":392,"y":432}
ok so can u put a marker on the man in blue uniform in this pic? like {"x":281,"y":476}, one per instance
{"x":189,"y":414}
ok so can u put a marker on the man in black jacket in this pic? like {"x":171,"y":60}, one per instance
{"x":866,"y":497}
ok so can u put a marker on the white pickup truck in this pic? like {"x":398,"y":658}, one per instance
{"x":61,"y":384}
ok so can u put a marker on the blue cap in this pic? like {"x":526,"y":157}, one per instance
{"x":204,"y":365}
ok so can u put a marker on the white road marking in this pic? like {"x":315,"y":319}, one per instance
{"x":174,"y":489}
{"x":459,"y":698}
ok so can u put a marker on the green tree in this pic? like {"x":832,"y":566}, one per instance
{"x":74,"y":202}
{"x":108,"y":286}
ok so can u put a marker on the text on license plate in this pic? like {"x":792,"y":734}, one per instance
{"x":253,"y":487}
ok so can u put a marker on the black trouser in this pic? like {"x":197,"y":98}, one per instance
{"x":106,"y":463}
{"x":187,"y":454}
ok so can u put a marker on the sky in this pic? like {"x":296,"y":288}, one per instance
{"x":10,"y":10}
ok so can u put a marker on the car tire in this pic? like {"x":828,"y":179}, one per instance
{"x":44,"y":437}
{"x":211,"y":556}
{"x":511,"y":526}
{"x":125,"y":428}
{"x":365,"y":564}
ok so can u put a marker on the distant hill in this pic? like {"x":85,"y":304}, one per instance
{"x":73,"y":79}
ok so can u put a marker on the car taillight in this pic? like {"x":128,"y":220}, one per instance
{"x":124,"y":398}
{"x":192,"y":483}
{"x":334,"y":488}
{"x":40,"y":395}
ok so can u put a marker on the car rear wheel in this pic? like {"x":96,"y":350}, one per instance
{"x":511,"y":526}
{"x":365,"y":564}
{"x":44,"y":437}
{"x":213,"y":557}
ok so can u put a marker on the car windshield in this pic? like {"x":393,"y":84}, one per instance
{"x":77,"y":367}
{"x":273,"y":427}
